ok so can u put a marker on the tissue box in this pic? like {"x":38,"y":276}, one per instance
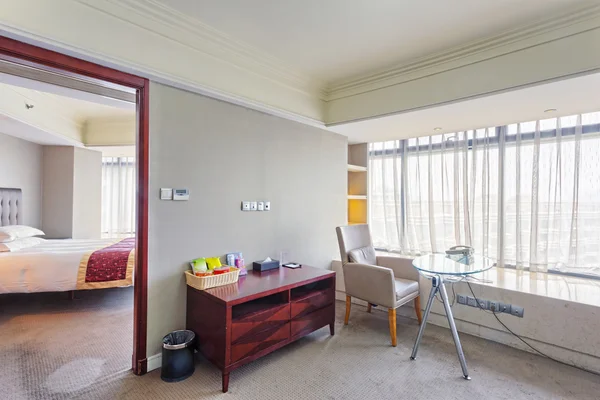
{"x":261,"y":266}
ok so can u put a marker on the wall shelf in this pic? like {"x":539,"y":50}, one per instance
{"x":356,"y":168}
{"x":357,"y":197}
{"x":357,"y":184}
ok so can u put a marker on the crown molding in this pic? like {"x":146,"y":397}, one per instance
{"x":115,"y":35}
{"x":160,"y":19}
{"x":550,"y":29}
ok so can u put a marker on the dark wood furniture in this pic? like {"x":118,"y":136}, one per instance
{"x":238,"y":323}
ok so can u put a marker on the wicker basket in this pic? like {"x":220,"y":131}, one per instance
{"x":210,"y":281}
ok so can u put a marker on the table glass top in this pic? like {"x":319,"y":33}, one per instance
{"x":440,"y":264}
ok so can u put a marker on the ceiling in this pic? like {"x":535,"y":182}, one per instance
{"x":21,"y":130}
{"x":80,"y":110}
{"x":569,"y":97}
{"x":47,"y":104}
{"x":336,"y":40}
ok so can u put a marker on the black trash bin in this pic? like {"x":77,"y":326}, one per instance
{"x":177,"y":356}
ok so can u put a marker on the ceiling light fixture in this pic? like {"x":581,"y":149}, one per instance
{"x":550,"y":110}
{"x":437,"y":129}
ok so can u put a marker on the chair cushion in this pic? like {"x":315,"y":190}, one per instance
{"x":404,"y":287}
{"x":363,"y":255}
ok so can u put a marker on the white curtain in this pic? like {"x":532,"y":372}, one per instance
{"x":118,"y":197}
{"x":527,"y":194}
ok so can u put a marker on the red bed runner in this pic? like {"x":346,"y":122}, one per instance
{"x":109,"y":263}
{"x":110,"y":266}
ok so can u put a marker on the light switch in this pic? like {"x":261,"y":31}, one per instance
{"x":166,"y":194}
{"x":267,"y":206}
{"x":253,"y":206}
{"x":245,"y":206}
{"x":261,"y":206}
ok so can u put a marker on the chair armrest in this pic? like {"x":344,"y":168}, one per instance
{"x":402,"y":267}
{"x":371,"y":283}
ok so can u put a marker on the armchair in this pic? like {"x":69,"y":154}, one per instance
{"x":383,"y":280}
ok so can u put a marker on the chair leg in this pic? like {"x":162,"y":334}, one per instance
{"x":418,"y":309}
{"x":348,"y":302}
{"x":392,"y":320}
{"x":369,"y":307}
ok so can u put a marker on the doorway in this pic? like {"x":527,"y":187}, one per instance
{"x":106,"y":81}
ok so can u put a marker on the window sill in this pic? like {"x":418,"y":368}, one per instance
{"x":562,"y":287}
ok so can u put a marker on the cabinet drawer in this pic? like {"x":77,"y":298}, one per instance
{"x":251,"y":345}
{"x":258,"y":322}
{"x":307,"y":323}
{"x":312,"y":302}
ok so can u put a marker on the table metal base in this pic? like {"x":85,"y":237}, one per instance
{"x":437,"y":285}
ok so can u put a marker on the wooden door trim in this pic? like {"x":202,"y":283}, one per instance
{"x":27,"y":54}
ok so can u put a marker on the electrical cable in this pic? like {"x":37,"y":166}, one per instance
{"x":523,"y":340}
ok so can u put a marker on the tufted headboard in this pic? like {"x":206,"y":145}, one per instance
{"x":10,"y":207}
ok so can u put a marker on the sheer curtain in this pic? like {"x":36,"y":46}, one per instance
{"x":118,"y":197}
{"x":527,"y":194}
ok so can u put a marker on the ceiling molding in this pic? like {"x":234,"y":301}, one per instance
{"x":516,"y":39}
{"x":110,"y":33}
{"x":175,"y":25}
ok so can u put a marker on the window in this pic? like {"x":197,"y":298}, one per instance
{"x":527,"y":194}
{"x":118,"y":197}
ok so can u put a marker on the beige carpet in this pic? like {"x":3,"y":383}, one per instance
{"x":55,"y":348}
{"x":357,"y":363}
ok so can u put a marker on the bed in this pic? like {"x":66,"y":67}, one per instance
{"x":61,"y":265}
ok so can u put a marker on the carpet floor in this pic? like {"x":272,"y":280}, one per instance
{"x":357,"y":363}
{"x":54,"y":348}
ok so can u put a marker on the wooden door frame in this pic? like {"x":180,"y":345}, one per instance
{"x":23,"y":53}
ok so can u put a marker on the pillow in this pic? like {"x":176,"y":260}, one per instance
{"x":363,"y":255}
{"x":14,"y":232}
{"x":20,"y":244}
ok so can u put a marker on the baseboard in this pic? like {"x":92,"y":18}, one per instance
{"x":154,"y":362}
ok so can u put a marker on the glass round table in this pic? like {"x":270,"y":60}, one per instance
{"x":436,"y":266}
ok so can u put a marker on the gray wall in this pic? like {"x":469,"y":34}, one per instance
{"x":72,"y":192}
{"x":87,"y":194}
{"x":21,"y":167}
{"x":57,"y":210}
{"x":225,"y":154}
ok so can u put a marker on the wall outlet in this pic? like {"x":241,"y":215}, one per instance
{"x":505,"y":308}
{"x":471,"y":301}
{"x":517,"y":311}
{"x":494,"y":305}
{"x":245,"y":206}
{"x":253,"y":206}
{"x":267,"y":206}
{"x":461,"y":299}
{"x":484,"y":304}
{"x":261,"y":206}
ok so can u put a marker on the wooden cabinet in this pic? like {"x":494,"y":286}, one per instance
{"x":236,"y":324}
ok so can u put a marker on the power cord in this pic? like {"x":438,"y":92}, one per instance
{"x":523,"y":340}
{"x":452,"y":282}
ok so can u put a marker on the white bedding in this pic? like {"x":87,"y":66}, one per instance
{"x":47,"y":267}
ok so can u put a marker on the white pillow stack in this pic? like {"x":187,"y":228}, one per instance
{"x":16,"y":237}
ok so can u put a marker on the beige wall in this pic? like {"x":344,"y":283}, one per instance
{"x":72,"y":192}
{"x":57,"y":208}
{"x":225,"y":154}
{"x":87,"y":194}
{"x":21,"y":167}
